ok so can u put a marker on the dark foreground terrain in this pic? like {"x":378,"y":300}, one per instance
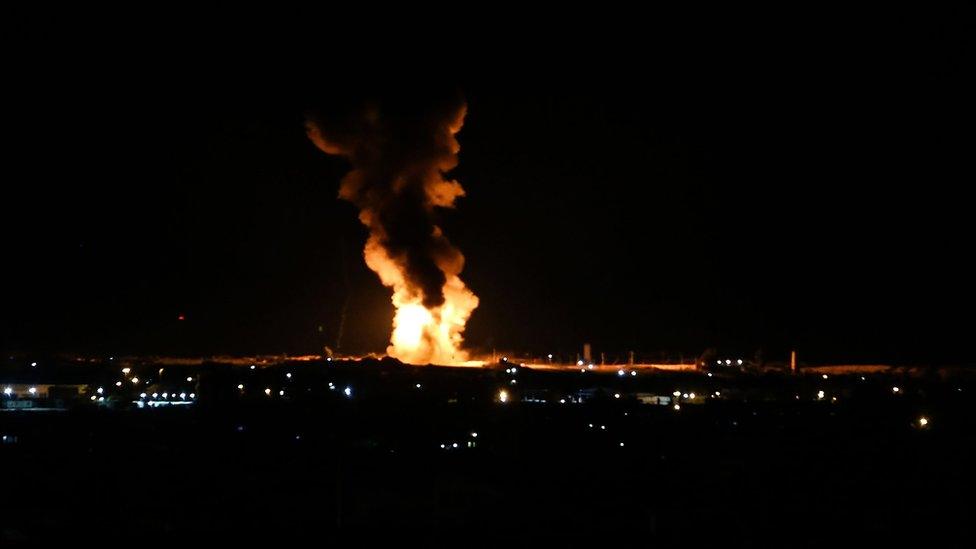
{"x":765,"y":462}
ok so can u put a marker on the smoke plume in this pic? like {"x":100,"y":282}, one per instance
{"x":400,"y":152}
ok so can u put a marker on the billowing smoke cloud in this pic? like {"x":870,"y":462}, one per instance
{"x":400,"y":152}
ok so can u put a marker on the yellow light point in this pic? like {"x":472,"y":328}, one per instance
{"x":503,"y":395}
{"x":126,"y":370}
{"x":923,"y":421}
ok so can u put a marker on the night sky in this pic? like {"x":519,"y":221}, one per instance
{"x":745,"y":190}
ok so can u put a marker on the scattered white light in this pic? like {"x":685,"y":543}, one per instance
{"x":616,"y":395}
{"x":118,"y":383}
{"x":633,"y":373}
{"x":590,"y":366}
{"x":7,"y":390}
{"x":895,"y":389}
{"x":267,"y":391}
{"x":474,"y":435}
{"x":281,"y":393}
{"x":862,"y":378}
{"x":33,"y":364}
{"x":579,"y":362}
{"x":443,"y":446}
{"x":418,"y":385}
{"x":165,"y":395}
{"x":591,"y":425}
{"x":193,"y":395}
{"x":621,"y":444}
{"x":513,"y":382}
{"x":691,"y":395}
{"x":347,"y":391}
{"x":621,"y":373}
{"x":142,"y":395}
{"x":718,"y":393}
{"x":677,"y":406}
{"x":288,"y":375}
{"x":709,"y":374}
{"x":240,"y":386}
{"x":684,"y":395}
{"x":101,"y":399}
{"x":923,"y":421}
{"x":183,"y":396}
{"x":583,"y":370}
{"x":719,"y":362}
{"x":32,"y":390}
{"x":676,"y":394}
{"x":728,"y":362}
{"x":126,"y":370}
{"x":825,"y":376}
{"x":454,"y":445}
{"x":820,"y":395}
{"x":504,"y":359}
{"x":135,"y":381}
{"x":739,"y":362}
{"x":189,"y":378}
{"x":503,"y":395}
{"x":155,"y":395}
{"x":603,"y":427}
{"x":549,"y":356}
{"x":329,"y":359}
{"x":562,"y":401}
{"x":253,"y":366}
{"x":93,"y":398}
{"x":99,"y":390}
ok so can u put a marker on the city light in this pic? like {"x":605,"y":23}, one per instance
{"x":503,"y":395}
{"x":288,"y":375}
{"x":923,"y":421}
{"x":739,"y":362}
{"x":118,"y":383}
{"x":135,"y":381}
{"x":126,"y":370}
{"x":633,"y":373}
{"x":677,"y":406}
{"x":8,"y":390}
{"x":691,"y":395}
{"x":474,"y":435}
{"x":895,"y":389}
{"x":99,"y":390}
{"x":189,"y":378}
{"x":418,"y":385}
{"x":621,"y":373}
{"x":347,"y":391}
{"x":281,"y":392}
{"x":142,"y":395}
{"x":676,"y":394}
{"x":240,"y":386}
{"x":616,"y":395}
{"x":32,"y":390}
{"x":820,"y":395}
{"x":267,"y":391}
{"x":825,"y":376}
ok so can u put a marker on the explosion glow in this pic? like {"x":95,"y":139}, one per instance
{"x":399,"y":161}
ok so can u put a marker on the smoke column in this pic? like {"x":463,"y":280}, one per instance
{"x":400,"y":152}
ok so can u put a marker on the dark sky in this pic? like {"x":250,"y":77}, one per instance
{"x":743,"y":189}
